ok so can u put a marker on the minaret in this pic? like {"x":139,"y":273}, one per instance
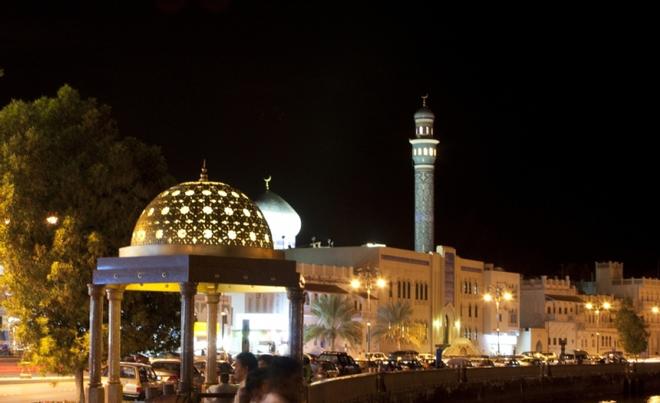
{"x":423,"y":154}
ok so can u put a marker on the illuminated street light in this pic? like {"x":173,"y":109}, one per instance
{"x":371,"y":277}
{"x":597,"y":309}
{"x":52,"y":219}
{"x":498,"y":295}
{"x":655,"y":310}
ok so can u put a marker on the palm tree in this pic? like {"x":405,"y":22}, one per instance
{"x":334,"y":318}
{"x":394,"y":323}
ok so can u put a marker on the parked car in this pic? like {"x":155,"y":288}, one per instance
{"x":345,"y":363}
{"x":459,"y":362}
{"x":406,"y":359}
{"x":613,"y":357}
{"x":325,"y":370}
{"x":567,"y":359}
{"x":375,"y":356}
{"x":483,"y":362}
{"x":512,"y":362}
{"x":427,"y":359}
{"x":527,"y":361}
{"x":169,"y":370}
{"x":135,"y":377}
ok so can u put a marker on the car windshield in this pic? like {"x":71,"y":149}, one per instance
{"x":346,"y":360}
{"x":147,"y":374}
{"x":331,"y":358}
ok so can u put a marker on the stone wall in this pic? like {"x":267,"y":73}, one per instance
{"x":490,"y":384}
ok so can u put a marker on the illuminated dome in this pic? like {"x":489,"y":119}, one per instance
{"x":424,"y":113}
{"x":282,"y":219}
{"x":202,"y":213}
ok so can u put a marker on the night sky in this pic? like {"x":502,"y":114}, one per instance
{"x":547,"y":155}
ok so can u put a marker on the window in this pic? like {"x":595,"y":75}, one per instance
{"x":549,"y":310}
{"x":416,"y":290}
{"x":391,"y":289}
{"x":565,"y":310}
{"x":127,"y":372}
{"x":470,"y":311}
{"x":426,"y":151}
{"x":554,"y":341}
{"x":398,"y":289}
{"x":409,"y":290}
{"x":476,"y":313}
{"x":426,"y":292}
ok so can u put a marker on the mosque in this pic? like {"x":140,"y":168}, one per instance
{"x":443,"y":289}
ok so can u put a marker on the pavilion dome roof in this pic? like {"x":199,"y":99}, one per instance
{"x":202,"y":213}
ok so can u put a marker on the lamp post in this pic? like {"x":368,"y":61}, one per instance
{"x":597,"y":309}
{"x":368,"y":278}
{"x":498,"y":295}
{"x":655,"y":310}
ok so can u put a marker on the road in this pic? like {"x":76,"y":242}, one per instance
{"x":35,"y":392}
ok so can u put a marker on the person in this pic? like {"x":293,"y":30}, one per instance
{"x":244,"y":363}
{"x":255,"y":386}
{"x":307,"y":369}
{"x":223,"y":387}
{"x":284,"y":383}
{"x":264,"y":360}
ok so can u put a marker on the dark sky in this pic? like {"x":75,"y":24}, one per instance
{"x":547,"y":150}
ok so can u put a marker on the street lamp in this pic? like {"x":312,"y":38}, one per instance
{"x":597,"y":308}
{"x":498,"y":295}
{"x":370,"y":278}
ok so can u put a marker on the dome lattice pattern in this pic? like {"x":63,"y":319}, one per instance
{"x":202,"y":213}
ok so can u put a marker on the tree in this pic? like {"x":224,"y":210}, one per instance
{"x":334,"y":318}
{"x":394,"y":323}
{"x":632,"y":329}
{"x":63,"y":158}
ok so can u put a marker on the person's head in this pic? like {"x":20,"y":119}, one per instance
{"x":224,"y":377}
{"x":285,"y":378}
{"x":245,"y":362}
{"x":255,"y":384}
{"x":264,"y":360}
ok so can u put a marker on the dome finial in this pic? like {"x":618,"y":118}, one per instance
{"x":424,"y":98}
{"x":203,"y":177}
{"x":267,"y":180}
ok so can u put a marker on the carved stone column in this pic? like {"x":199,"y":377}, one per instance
{"x":95,"y":389}
{"x":188,"y":291}
{"x":115,"y":296}
{"x":296,"y":304}
{"x":211,"y":335}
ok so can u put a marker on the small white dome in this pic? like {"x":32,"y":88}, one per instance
{"x":282,"y":219}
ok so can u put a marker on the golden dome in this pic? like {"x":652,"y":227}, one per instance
{"x":202,"y":213}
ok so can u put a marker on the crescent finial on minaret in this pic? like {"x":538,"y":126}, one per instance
{"x":267,"y":180}
{"x":424,"y":98}
{"x":203,"y":177}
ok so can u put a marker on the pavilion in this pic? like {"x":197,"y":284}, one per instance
{"x":198,"y":237}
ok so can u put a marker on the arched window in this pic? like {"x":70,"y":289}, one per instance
{"x":469,"y":310}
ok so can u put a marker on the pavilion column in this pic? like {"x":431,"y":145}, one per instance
{"x":212,"y":300}
{"x":296,"y":301}
{"x":115,"y":296}
{"x":95,"y":389}
{"x":188,"y":291}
